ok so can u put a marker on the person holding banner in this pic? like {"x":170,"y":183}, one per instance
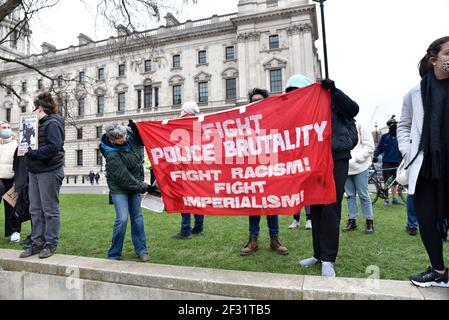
{"x":122,"y":148}
{"x":190,"y":109}
{"x":326,"y":218}
{"x":272,"y":221}
{"x":46,"y":172}
{"x":8,"y":145}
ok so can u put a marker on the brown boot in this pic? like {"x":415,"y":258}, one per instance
{"x":277,"y":246}
{"x":250,"y":247}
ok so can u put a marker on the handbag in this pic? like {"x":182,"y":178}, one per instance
{"x":402,"y":171}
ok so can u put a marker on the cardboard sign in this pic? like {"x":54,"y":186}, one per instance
{"x":153,"y":203}
{"x":11,"y":197}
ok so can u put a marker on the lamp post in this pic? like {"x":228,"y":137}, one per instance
{"x":323,"y":28}
{"x":377,"y":135}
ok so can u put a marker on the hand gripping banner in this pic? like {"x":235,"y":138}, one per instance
{"x":269,"y":157}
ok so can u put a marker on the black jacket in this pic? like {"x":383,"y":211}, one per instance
{"x":343,"y":109}
{"x":50,"y":153}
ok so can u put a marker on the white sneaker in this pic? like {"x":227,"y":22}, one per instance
{"x":308,"y":262}
{"x":327,"y":269}
{"x":308,"y":224}
{"x":294,"y":225}
{"x":15,"y":237}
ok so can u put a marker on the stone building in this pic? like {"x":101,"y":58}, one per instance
{"x":148,"y":75}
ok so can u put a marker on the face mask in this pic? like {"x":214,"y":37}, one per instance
{"x":445,"y":66}
{"x":6,"y":134}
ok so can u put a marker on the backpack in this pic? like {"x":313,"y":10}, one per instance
{"x":352,"y":131}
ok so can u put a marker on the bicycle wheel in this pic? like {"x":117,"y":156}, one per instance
{"x":373,"y":189}
{"x":403,"y":193}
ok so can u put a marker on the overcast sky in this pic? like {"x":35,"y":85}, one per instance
{"x":374,"y":46}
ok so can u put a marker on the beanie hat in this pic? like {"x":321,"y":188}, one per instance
{"x":297,"y":81}
{"x":189,"y":108}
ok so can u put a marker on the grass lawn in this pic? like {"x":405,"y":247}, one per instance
{"x":87,"y":222}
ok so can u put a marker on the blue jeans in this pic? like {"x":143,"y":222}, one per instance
{"x":127,"y":204}
{"x":358,"y":184}
{"x":186,"y":223}
{"x":412,"y":220}
{"x":272,"y":222}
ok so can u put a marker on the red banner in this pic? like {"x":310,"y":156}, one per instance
{"x":269,"y":157}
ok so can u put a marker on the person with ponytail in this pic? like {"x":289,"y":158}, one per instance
{"x":423,"y":135}
{"x":46,"y":173}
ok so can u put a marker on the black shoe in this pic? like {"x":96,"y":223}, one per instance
{"x":47,"y":252}
{"x":27,"y":242}
{"x":411,"y":231}
{"x":30,"y":251}
{"x":430,"y":278}
{"x":197,"y":231}
{"x":351,"y":225}
{"x":369,"y":226}
{"x":180,"y":236}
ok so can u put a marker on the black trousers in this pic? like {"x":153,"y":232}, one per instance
{"x":426,"y":211}
{"x":12,"y":223}
{"x":326,"y":218}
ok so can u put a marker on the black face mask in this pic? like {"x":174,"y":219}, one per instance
{"x":392,"y":130}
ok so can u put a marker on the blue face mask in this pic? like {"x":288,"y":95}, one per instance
{"x":6,"y":134}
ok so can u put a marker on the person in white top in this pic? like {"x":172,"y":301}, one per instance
{"x":8,"y":146}
{"x":357,"y":180}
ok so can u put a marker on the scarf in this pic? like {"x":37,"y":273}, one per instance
{"x":434,"y":143}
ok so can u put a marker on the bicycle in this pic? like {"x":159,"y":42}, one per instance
{"x":380,"y":188}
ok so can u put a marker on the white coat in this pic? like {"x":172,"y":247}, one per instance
{"x":361,"y":154}
{"x":409,"y":134}
{"x":7,"y":149}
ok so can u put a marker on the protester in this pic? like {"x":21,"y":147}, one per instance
{"x":254,"y":221}
{"x":8,"y":145}
{"x":296,"y":220}
{"x":357,"y":180}
{"x":97,"y":177}
{"x":189,"y":109}
{"x":326,"y":218}
{"x":423,"y":134}
{"x":388,"y":146}
{"x":91,"y":176}
{"x":122,"y":148}
{"x":46,"y":172}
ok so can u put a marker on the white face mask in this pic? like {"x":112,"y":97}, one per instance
{"x":445,"y":66}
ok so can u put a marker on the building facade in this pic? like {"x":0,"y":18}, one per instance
{"x":148,"y":75}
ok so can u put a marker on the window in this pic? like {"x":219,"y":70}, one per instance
{"x":121,"y":102}
{"x":231,"y":89}
{"x":99,"y":131}
{"x":81,"y":107}
{"x":60,"y":81}
{"x":81,"y":76}
{"x":203,"y":91}
{"x":177,"y":61}
{"x":99,"y":157}
{"x":39,"y":84}
{"x":79,"y":133}
{"x":202,"y":57}
{"x":121,"y":70}
{"x":156,"y":97}
{"x":79,"y":158}
{"x":177,"y":95}
{"x":23,"y":109}
{"x":276,"y":80}
{"x":100,"y":104}
{"x":147,"y":65}
{"x":101,"y":74}
{"x":24,"y":86}
{"x":13,"y":38}
{"x":139,"y":99}
{"x":274,"y":42}
{"x":229,"y":53}
{"x":147,"y":97}
{"x":8,"y":115}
